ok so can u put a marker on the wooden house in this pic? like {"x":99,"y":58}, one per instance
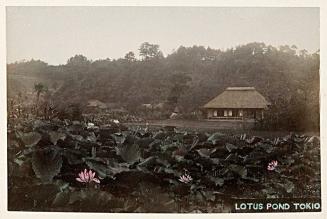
{"x":236,"y":103}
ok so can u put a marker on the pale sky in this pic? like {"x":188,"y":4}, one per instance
{"x":54,"y":34}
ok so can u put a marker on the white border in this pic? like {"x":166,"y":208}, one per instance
{"x":204,"y":3}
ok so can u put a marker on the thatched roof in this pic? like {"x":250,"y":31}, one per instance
{"x":238,"y":97}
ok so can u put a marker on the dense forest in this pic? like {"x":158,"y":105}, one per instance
{"x":188,"y":78}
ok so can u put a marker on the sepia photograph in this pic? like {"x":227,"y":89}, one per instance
{"x":163,"y":109}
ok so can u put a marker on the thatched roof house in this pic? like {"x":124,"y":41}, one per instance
{"x":237,"y":103}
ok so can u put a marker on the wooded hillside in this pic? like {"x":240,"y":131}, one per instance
{"x":188,"y":78}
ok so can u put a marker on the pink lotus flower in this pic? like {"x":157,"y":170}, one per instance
{"x":185,"y":178}
{"x":87,"y":177}
{"x":272,"y":165}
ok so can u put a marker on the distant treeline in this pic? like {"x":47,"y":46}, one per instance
{"x":190,"y":77}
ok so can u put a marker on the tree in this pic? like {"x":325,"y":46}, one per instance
{"x":130,"y":57}
{"x":179,"y":82}
{"x":287,"y":49}
{"x":148,"y":51}
{"x":78,"y":60}
{"x":303,"y":53}
{"x":76,"y":67}
{"x":39,"y":88}
{"x":294,"y":47}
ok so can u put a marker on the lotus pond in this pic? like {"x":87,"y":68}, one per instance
{"x":84,"y":167}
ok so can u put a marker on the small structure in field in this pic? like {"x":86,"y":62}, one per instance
{"x":237,"y":103}
{"x":154,"y":106}
{"x":99,"y":106}
{"x":96,"y":104}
